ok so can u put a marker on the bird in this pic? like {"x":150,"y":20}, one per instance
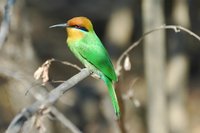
{"x":84,"y":43}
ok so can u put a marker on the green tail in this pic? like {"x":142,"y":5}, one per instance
{"x":113,"y":96}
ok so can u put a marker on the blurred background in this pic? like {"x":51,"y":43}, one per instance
{"x":161,"y":92}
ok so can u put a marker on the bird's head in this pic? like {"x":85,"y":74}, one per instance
{"x":76,"y":27}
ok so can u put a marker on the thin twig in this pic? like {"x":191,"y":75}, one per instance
{"x":179,"y":28}
{"x":69,"y":64}
{"x":59,"y":116}
{"x":65,"y":63}
{"x":125,"y":53}
{"x":52,"y":97}
{"x":95,"y":76}
{"x":57,"y":81}
{"x":176,"y":29}
{"x":4,"y":30}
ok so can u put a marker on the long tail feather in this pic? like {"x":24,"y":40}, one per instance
{"x":113,"y":96}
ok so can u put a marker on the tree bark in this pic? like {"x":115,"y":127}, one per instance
{"x":154,"y":50}
{"x":177,"y":75}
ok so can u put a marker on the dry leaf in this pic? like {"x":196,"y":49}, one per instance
{"x":38,"y":73}
{"x":43,"y":71}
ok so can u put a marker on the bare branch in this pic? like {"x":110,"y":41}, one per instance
{"x":6,"y":21}
{"x":179,"y":28}
{"x":176,"y":29}
{"x":59,"y":116}
{"x":51,"y":98}
{"x":40,"y":95}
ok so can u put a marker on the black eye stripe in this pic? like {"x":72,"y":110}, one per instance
{"x":79,"y":27}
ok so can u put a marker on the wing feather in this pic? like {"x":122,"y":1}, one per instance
{"x":97,"y":55}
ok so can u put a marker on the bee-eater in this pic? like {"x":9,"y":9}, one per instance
{"x":87,"y":47}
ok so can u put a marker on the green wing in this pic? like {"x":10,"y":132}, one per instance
{"x":96,"y":54}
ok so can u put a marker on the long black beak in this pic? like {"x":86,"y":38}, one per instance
{"x":59,"y":25}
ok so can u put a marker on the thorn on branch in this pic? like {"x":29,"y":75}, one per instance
{"x":176,"y":29}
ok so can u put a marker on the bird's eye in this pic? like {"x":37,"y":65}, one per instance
{"x":80,"y":27}
{"x":77,"y":26}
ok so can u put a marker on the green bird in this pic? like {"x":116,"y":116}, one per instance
{"x":87,"y":47}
